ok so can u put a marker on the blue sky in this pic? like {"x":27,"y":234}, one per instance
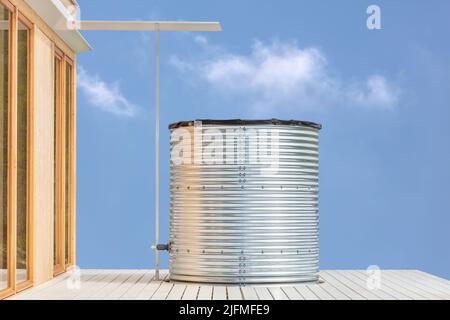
{"x":381,"y":95}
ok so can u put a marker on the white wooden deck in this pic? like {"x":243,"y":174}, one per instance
{"x":337,"y":284}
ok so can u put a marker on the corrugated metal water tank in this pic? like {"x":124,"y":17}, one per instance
{"x":244,"y":201}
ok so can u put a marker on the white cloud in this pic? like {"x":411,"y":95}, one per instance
{"x":282,"y":74}
{"x":105,"y":96}
{"x":201,"y":40}
{"x":377,"y":91}
{"x":180,"y":64}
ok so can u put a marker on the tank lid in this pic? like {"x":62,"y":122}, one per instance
{"x":240,"y":122}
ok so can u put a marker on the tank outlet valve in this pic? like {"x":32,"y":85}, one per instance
{"x":161,"y":247}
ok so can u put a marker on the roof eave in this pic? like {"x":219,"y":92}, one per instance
{"x":55,"y":14}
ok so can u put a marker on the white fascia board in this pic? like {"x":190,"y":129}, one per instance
{"x":55,"y":14}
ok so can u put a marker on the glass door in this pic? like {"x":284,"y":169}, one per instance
{"x":63,"y":167}
{"x":5,"y":20}
{"x":15,"y":142}
{"x":23,"y":152}
{"x":58,"y":248}
{"x":68,"y":163}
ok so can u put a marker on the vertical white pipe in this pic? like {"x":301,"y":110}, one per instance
{"x":156,"y":151}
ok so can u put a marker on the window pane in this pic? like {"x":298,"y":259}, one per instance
{"x":22,"y":152}
{"x":4,"y":62}
{"x":57,"y":217}
{"x":67,"y":160}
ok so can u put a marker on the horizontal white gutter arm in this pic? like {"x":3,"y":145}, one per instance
{"x":150,"y":26}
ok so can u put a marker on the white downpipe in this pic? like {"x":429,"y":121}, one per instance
{"x":156,"y":151}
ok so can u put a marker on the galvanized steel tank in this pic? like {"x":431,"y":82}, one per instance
{"x":244,"y":201}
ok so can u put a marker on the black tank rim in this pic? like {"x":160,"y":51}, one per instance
{"x":244,"y":122}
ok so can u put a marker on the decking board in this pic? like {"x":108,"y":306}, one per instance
{"x":335,"y":285}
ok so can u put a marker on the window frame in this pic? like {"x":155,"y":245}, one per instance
{"x":13,"y":286}
{"x":30,"y":144}
{"x":10,"y":214}
{"x":72,"y":159}
{"x":60,"y":175}
{"x":58,"y":236}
